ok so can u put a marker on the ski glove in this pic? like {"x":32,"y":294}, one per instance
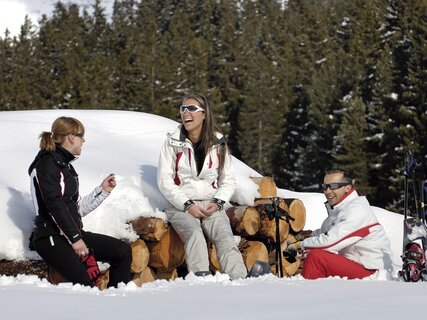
{"x":295,"y":246}
{"x":92,"y":268}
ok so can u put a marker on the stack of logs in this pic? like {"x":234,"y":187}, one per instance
{"x":159,"y":252}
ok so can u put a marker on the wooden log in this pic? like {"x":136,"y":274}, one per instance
{"x":140,"y":256}
{"x":103,"y":280}
{"x":244,"y":220}
{"x":168,"y":253}
{"x":291,"y":239}
{"x":166,"y":274}
{"x":266,"y":186}
{"x":145,"y":276}
{"x":303,"y":234}
{"x":150,"y":229}
{"x":213,"y":258}
{"x":55,"y":277}
{"x":296,"y":209}
{"x":267,"y":227}
{"x":252,"y":251}
{"x":289,"y":268}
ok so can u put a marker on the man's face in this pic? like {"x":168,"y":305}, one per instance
{"x":334,"y":196}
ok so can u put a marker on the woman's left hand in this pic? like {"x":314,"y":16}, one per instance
{"x":109,"y":183}
{"x":211,"y":208}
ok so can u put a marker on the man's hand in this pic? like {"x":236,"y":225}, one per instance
{"x":294,"y":246}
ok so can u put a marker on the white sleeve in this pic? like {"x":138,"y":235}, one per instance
{"x":91,"y":201}
{"x":165,"y":177}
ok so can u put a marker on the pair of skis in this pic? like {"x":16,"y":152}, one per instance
{"x":414,"y":225}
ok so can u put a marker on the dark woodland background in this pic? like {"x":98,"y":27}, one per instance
{"x":298,"y":87}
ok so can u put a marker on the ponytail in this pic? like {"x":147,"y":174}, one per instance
{"x":46,"y":141}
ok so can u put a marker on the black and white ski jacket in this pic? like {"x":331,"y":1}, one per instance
{"x":55,"y":192}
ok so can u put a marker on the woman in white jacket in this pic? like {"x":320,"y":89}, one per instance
{"x":351,"y":242}
{"x":196,"y":175}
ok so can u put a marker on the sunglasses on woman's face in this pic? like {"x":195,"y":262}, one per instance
{"x":190,"y":108}
{"x":334,"y":186}
{"x":80,"y":135}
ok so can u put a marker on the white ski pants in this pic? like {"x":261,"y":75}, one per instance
{"x":217,"y":229}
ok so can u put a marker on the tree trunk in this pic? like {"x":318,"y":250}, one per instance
{"x":267,"y":228}
{"x":140,"y":256}
{"x":166,"y":274}
{"x":244,"y":220}
{"x":144,"y":276}
{"x":252,"y":251}
{"x":266,"y":186}
{"x":149,"y":229}
{"x":290,"y":268}
{"x":296,"y":210}
{"x":168,"y":253}
{"x":213,"y":258}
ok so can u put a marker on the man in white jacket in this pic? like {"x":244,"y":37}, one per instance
{"x":351,"y":242}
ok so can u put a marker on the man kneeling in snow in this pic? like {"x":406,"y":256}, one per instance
{"x":351,"y":242}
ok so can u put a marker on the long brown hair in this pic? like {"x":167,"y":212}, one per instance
{"x":209,"y":138}
{"x":61,"y":127}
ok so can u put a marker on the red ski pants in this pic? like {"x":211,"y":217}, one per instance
{"x":322,"y":264}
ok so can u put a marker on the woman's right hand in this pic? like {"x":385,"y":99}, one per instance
{"x":80,"y":248}
{"x":196,"y":211}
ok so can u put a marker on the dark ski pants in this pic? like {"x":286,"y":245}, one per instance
{"x":59,"y":254}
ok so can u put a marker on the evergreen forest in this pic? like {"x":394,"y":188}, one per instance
{"x":298,"y":86}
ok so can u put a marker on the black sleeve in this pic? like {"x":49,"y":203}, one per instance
{"x":49,"y":179}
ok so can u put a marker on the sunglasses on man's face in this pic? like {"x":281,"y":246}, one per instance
{"x":190,"y":108}
{"x":334,"y":186}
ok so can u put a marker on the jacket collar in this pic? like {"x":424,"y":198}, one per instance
{"x":62,"y":157}
{"x":344,"y":202}
{"x":67,"y":155}
{"x":180,"y":136}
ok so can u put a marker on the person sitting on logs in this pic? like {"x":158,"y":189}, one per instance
{"x":351,"y":242}
{"x":196,"y":176}
{"x":58,"y":236}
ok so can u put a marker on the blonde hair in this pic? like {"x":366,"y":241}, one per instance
{"x":61,"y":127}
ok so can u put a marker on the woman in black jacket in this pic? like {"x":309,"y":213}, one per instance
{"x":59,"y":237}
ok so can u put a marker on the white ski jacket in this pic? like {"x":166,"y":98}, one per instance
{"x":353,"y":231}
{"x":177,"y":172}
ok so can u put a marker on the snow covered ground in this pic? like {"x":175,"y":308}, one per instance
{"x":128,"y":144}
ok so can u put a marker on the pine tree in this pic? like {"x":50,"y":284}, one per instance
{"x":24,"y":95}
{"x":60,"y":51}
{"x":6,"y":56}
{"x":350,"y":151}
{"x":262,"y":109}
{"x":97,"y":66}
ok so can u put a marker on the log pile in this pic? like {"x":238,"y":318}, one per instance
{"x":159,"y":252}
